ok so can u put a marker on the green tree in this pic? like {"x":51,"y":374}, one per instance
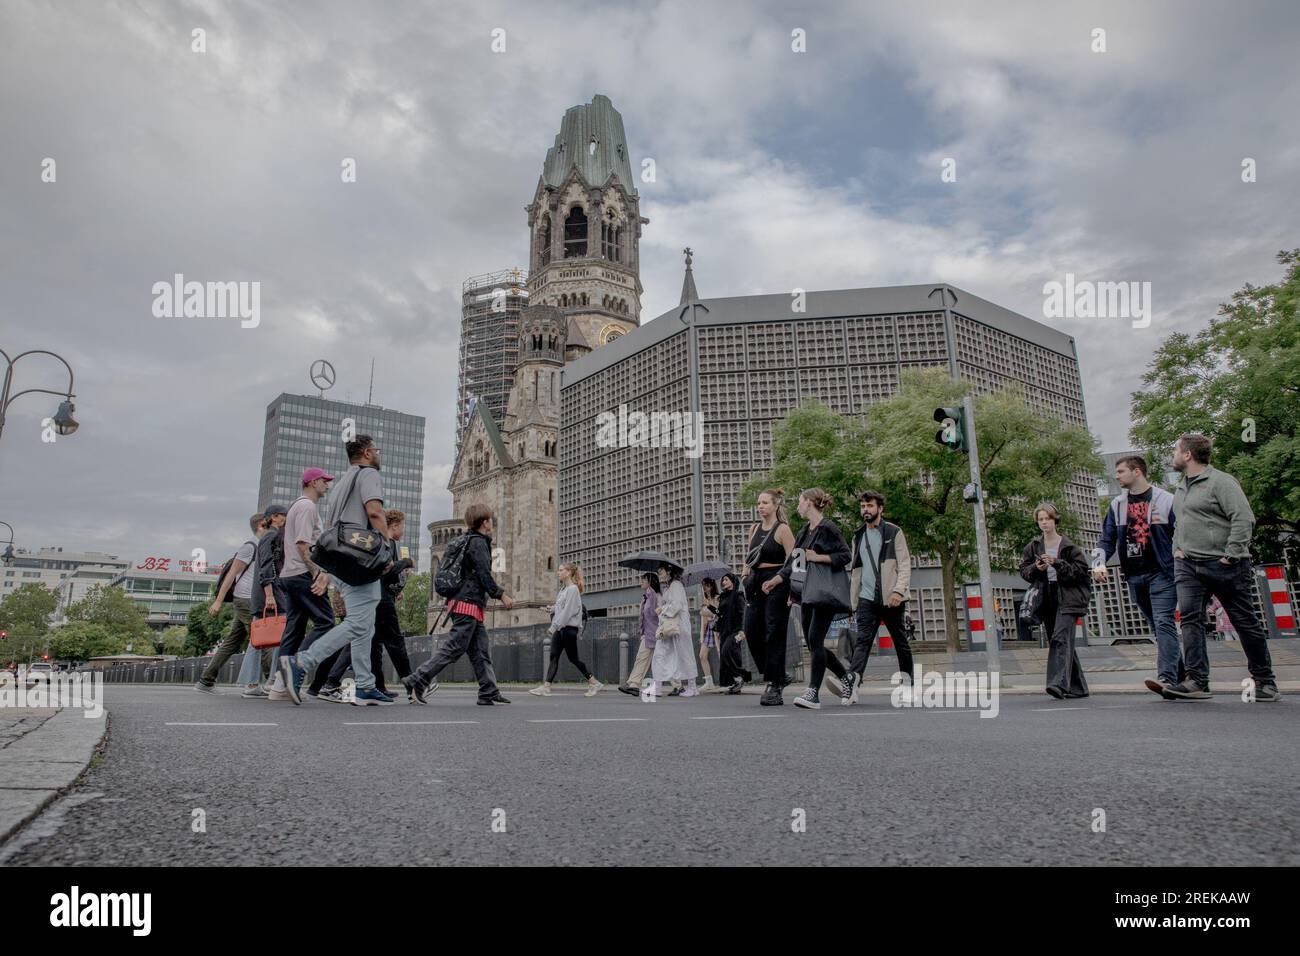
{"x":413,"y":605}
{"x":1238,"y":382}
{"x":172,"y":641}
{"x":204,"y":631}
{"x":82,"y":640}
{"x":1026,"y":456}
{"x":114,"y":610}
{"x":27,"y":610}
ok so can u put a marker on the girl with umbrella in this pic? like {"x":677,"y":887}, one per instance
{"x":731,"y":615}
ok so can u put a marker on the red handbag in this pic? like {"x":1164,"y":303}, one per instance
{"x":267,"y":631}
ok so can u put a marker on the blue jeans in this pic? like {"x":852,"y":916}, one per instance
{"x":1234,"y":585}
{"x":1157,"y":595}
{"x":357,"y":629}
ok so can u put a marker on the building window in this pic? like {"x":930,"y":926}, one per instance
{"x":575,"y":234}
{"x":544,"y":243}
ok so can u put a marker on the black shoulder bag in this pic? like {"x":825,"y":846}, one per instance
{"x":355,"y":554}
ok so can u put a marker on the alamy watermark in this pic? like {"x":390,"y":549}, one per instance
{"x":625,"y":429}
{"x":1085,"y":299}
{"x":179,"y":299}
{"x":950,"y":689}
{"x":83,"y":689}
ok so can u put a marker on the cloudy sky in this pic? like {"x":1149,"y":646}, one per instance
{"x":818,"y":170}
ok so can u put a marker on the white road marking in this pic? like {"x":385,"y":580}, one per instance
{"x":182,"y":723}
{"x":736,"y":717}
{"x":1048,"y":710}
{"x":397,"y":723}
{"x":584,"y":720}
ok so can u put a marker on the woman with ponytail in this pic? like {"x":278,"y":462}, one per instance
{"x":566,"y":620}
{"x":821,"y":543}
{"x":768,"y":615}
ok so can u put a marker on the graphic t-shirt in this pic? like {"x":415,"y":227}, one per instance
{"x":1139,"y":555}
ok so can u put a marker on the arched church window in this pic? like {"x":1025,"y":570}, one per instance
{"x":544,"y":242}
{"x":575,"y":233}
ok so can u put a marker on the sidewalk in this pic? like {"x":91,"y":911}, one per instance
{"x":42,"y":753}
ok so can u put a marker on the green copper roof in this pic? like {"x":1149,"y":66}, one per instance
{"x":573,"y":146}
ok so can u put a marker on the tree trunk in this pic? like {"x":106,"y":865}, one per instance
{"x":947,"y":564}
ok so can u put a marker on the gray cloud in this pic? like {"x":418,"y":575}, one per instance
{"x":817,"y":170}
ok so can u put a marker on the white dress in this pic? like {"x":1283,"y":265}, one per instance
{"x":674,"y":657}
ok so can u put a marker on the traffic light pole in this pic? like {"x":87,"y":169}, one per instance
{"x":982,"y":541}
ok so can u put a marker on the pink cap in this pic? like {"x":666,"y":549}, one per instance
{"x":311,"y":474}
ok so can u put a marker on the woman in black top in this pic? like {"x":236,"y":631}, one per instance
{"x":822,"y":543}
{"x":768,"y":615}
{"x":731,"y":615}
{"x":1061,"y":569}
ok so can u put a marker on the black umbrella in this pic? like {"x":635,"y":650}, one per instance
{"x":697,"y":572}
{"x":647,"y":561}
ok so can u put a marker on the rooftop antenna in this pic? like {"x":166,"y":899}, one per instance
{"x":371,"y":394}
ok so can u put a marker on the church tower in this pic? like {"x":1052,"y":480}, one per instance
{"x":584,"y":227}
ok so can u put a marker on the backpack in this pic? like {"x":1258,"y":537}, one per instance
{"x":230,"y":595}
{"x":450,"y":575}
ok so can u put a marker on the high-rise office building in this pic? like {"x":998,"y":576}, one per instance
{"x":758,"y":360}
{"x":489,"y":342}
{"x":306,"y":430}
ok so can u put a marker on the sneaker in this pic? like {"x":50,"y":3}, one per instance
{"x":594,"y":689}
{"x":255,"y":691}
{"x":633,"y":691}
{"x":771,"y":696}
{"x":1159,"y":687}
{"x":418,"y":689}
{"x":542,"y":691}
{"x":832,"y":685}
{"x":737,"y":686}
{"x":329,"y":687}
{"x":293,"y":676}
{"x":206,"y":688}
{"x":1190,"y":690}
{"x":500,"y":698}
{"x":278,"y":693}
{"x":849,"y":689}
{"x":675,"y":692}
{"x":412,"y":699}
{"x":311,"y":692}
{"x":333,"y":695}
{"x":1267,"y":693}
{"x":808,"y":700}
{"x":369,"y":697}
{"x":690,"y":692}
{"x":485,"y":701}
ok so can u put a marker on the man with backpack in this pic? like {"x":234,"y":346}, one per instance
{"x":465,"y":578}
{"x":236,"y":586}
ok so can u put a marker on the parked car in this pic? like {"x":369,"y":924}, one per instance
{"x":37,"y":673}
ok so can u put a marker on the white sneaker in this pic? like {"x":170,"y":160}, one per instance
{"x":832,"y":685}
{"x":593,"y":689}
{"x":278,"y":693}
{"x":542,"y":691}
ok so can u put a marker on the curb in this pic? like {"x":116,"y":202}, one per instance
{"x":40,"y":766}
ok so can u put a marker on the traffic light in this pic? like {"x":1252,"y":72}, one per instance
{"x":953,"y":432}
{"x":4,"y":635}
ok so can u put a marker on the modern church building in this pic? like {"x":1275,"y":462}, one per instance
{"x":758,"y":359}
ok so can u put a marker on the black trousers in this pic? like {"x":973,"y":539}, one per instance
{"x":730,"y":662}
{"x":868,"y":618}
{"x":388,"y":634}
{"x":468,"y":636}
{"x":1063,"y":669}
{"x":816,"y":624}
{"x":300,"y":607}
{"x":767,"y":619}
{"x":565,"y":641}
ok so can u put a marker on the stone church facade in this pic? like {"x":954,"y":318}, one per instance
{"x":584,"y":291}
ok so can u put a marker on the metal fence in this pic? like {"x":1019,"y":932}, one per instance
{"x":608,"y":646}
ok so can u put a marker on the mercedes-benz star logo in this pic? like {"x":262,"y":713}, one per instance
{"x":322,"y":374}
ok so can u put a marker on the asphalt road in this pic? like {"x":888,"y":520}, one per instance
{"x":714,"y":780}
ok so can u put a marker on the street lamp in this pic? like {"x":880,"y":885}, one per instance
{"x":64,"y":423}
{"x":8,"y":557}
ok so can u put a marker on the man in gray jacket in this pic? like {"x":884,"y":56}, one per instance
{"x":878,"y":591}
{"x":1212,"y":559}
